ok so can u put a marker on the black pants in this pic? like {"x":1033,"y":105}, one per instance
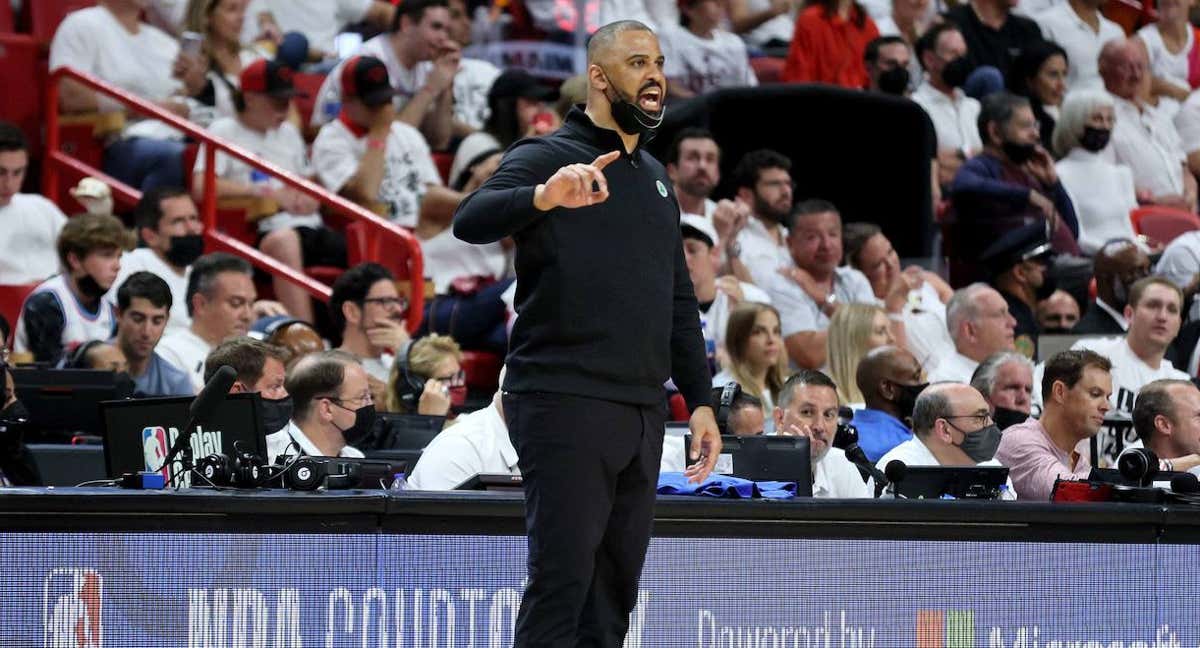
{"x":590,"y":469}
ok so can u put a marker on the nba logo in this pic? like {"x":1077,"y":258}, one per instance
{"x":71,"y":609}
{"x":154,"y":449}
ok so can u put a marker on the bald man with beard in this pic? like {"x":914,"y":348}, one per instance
{"x":890,"y":379}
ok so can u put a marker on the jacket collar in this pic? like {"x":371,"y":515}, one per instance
{"x":579,"y":124}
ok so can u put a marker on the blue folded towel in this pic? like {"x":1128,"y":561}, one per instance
{"x":724,"y":486}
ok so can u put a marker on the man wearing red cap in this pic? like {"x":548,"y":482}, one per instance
{"x":296,"y":234}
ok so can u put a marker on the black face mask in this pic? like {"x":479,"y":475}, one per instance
{"x":629,"y":117}
{"x":894,"y":81}
{"x":1095,"y":139}
{"x":981,"y":444}
{"x":185,"y":249}
{"x":1006,"y":418}
{"x":276,"y":413}
{"x":1019,"y":153}
{"x":90,"y":289}
{"x":907,"y":399}
{"x":955,"y":73}
{"x":1049,"y":285}
{"x":364,"y":422}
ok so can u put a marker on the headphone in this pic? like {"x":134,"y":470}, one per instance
{"x":311,"y":473}
{"x":244,"y":470}
{"x":78,"y":357}
{"x":410,"y":385}
{"x":725,"y":407}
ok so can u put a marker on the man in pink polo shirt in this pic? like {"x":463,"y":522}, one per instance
{"x":1076,"y":386}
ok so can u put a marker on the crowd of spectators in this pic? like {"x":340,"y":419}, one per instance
{"x":1051,"y":125}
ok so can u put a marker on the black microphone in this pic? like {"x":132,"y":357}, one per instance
{"x":895,"y":471}
{"x":203,"y":407}
{"x":846,"y":439}
{"x":1185,"y":483}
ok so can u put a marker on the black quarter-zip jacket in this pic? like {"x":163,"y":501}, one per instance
{"x":605,"y":306}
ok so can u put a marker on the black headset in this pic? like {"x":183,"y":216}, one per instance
{"x":244,"y":470}
{"x":409,"y":386}
{"x":311,"y":473}
{"x":78,"y":357}
{"x":725,"y":407}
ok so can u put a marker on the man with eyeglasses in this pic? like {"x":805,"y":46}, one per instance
{"x":332,"y":408}
{"x":952,"y":426}
{"x":1077,"y":386}
{"x":368,"y":310}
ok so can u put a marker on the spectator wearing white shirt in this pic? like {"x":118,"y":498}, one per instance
{"x":1180,"y":262}
{"x":952,"y":426}
{"x":942,"y":52}
{"x":764,"y":24}
{"x":1102,"y":192}
{"x":368,"y":312}
{"x":69,"y":308}
{"x":920,"y":295}
{"x":110,"y":41}
{"x":29,"y":224}
{"x":1081,"y":30}
{"x":319,"y":20}
{"x":808,"y":407}
{"x":1006,"y":381}
{"x":814,"y":285}
{"x":477,"y":443}
{"x":1166,"y":417}
{"x":296,"y":234}
{"x":172,"y":237}
{"x":474,"y":77}
{"x":369,"y":157}
{"x":1138,"y":358}
{"x":1170,"y":42}
{"x":694,"y":166}
{"x":757,"y":360}
{"x":979,"y":322}
{"x":717,"y":296}
{"x":220,"y":22}
{"x":421,"y":62}
{"x":331,"y":407}
{"x":700,"y":56}
{"x":764,"y":182}
{"x":655,"y":14}
{"x":1145,"y":138}
{"x":220,"y":299}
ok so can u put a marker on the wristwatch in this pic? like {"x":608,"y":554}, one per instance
{"x":734,"y":249}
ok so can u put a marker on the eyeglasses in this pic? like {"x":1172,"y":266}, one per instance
{"x":983,"y":420}
{"x":453,"y":380}
{"x":388,"y":302}
{"x":365,"y":399}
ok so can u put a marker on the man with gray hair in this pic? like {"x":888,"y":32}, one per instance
{"x":980,"y":325}
{"x":331,"y":408}
{"x":808,"y":407}
{"x":1006,"y":381}
{"x":951,"y":427}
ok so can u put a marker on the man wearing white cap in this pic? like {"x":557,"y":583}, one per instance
{"x":717,"y":296}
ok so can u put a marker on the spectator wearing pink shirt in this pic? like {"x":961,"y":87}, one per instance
{"x":1076,"y":386}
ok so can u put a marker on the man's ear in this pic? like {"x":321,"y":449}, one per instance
{"x":1128,"y":312}
{"x":238,"y":388}
{"x":351,"y":312}
{"x":1162,"y":425}
{"x":596,"y":77}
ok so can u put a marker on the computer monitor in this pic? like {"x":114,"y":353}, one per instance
{"x":62,"y":464}
{"x":63,"y":402}
{"x":764,"y":458}
{"x":403,"y":432}
{"x":139,"y":433}
{"x":960,"y":482}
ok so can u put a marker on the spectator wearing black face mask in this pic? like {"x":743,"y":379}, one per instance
{"x":332,"y":408}
{"x":1020,"y":262}
{"x":1012,"y":183}
{"x":888,"y":60}
{"x":943,"y":54}
{"x":890,"y":379}
{"x":68,"y":309}
{"x":1006,"y":381}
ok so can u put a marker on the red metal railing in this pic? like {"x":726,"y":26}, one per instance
{"x":57,"y":159}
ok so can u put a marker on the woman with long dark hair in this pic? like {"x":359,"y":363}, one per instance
{"x":1040,"y":73}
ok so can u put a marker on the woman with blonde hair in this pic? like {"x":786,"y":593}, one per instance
{"x":427,"y":378}
{"x":757,"y":360}
{"x":853,"y":330}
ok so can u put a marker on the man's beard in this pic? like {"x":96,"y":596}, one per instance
{"x":765,"y":210}
{"x":697,"y":187}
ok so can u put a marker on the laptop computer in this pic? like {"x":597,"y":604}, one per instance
{"x":139,"y":433}
{"x":764,"y":458}
{"x":61,"y":464}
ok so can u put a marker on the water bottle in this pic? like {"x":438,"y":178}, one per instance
{"x":399,"y":482}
